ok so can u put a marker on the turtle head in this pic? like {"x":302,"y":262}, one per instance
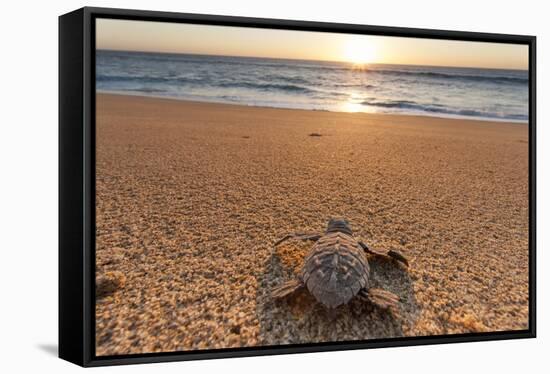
{"x":339,"y":225}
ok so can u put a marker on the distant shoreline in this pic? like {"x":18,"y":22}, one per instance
{"x":442,"y":92}
{"x":426,"y":115}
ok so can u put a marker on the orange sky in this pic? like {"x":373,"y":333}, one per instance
{"x":240,"y":41}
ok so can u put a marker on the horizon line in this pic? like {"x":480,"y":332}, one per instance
{"x":312,"y":60}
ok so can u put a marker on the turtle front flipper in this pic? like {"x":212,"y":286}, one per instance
{"x":286,"y":288}
{"x":381,"y":298}
{"x":298,"y":236}
{"x":390,"y":254}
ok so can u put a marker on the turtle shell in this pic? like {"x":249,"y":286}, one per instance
{"x":336,"y":269}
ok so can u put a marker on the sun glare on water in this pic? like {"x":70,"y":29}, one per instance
{"x":359,"y":52}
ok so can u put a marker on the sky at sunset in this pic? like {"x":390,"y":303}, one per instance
{"x":254,"y":42}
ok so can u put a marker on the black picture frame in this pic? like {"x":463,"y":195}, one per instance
{"x":77,"y":184}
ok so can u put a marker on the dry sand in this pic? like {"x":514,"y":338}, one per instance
{"x":191,"y":196}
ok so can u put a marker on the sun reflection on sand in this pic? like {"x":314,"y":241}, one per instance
{"x":353,"y":104}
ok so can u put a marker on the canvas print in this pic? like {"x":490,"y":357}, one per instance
{"x":262,"y":187}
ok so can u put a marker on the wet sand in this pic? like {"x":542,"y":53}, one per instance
{"x":191,"y":196}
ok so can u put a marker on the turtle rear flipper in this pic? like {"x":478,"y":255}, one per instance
{"x":383,"y":299}
{"x":286,"y":288}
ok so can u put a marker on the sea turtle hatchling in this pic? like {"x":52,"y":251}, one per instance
{"x":336,"y":269}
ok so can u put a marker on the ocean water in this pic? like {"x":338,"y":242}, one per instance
{"x":493,"y":94}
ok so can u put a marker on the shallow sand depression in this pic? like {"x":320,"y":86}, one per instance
{"x":191,"y":197}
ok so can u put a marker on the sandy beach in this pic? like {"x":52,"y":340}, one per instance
{"x":191,"y":196}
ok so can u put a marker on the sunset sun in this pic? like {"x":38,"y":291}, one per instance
{"x":359,"y":52}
